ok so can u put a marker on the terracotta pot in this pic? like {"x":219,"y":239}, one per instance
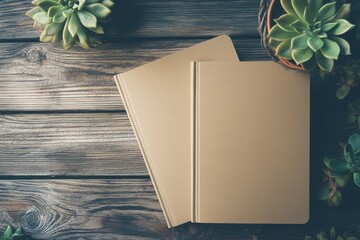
{"x":289,"y":63}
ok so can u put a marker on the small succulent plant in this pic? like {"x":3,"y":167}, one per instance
{"x":339,"y":169}
{"x":331,"y":236}
{"x":309,"y":31}
{"x":72,"y":21}
{"x":9,"y":234}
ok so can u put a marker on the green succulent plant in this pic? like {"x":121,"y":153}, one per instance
{"x":72,"y":21}
{"x":331,"y":236}
{"x":354,"y":112}
{"x":339,"y":169}
{"x":309,"y":31}
{"x":9,"y":234}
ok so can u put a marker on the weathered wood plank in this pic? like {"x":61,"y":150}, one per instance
{"x":69,"y":145}
{"x":152,"y":18}
{"x":128,"y":209}
{"x":83,"y":209}
{"x":37,"y":77}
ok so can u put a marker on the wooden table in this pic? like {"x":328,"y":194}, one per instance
{"x":70,"y":167}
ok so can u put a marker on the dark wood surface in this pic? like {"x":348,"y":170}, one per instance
{"x":70,"y":167}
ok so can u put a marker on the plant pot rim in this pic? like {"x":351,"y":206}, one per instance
{"x":288,"y":63}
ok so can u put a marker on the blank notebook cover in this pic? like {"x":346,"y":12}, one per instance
{"x":250,"y":143}
{"x":157,"y":99}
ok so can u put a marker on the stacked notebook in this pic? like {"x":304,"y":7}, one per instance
{"x":224,"y":141}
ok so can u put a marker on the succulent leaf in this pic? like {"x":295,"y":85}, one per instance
{"x":284,"y":50}
{"x":310,"y":65}
{"x":299,"y":42}
{"x":357,"y":179}
{"x":108,"y":3}
{"x":343,"y":12}
{"x":52,"y":29}
{"x":278,"y":34}
{"x":46,"y":4}
{"x":315,"y":43}
{"x":342,"y":91}
{"x":328,"y":26}
{"x":315,"y":5}
{"x":87,"y":19}
{"x":59,"y":18}
{"x":33,"y":11}
{"x":327,"y":11}
{"x":274,"y":43}
{"x":42,"y":18}
{"x":343,"y":44}
{"x":302,"y":55}
{"x":299,"y":7}
{"x":99,"y":10}
{"x":54,"y":10}
{"x":74,"y":24}
{"x":354,"y":142}
{"x":298,"y":26}
{"x":330,"y":49}
{"x":342,"y":27}
{"x":324,"y":63}
{"x":288,"y":7}
{"x":309,"y":15}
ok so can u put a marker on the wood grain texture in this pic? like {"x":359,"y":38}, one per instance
{"x":69,"y":145}
{"x":83,"y":209}
{"x":44,"y":77}
{"x":127,"y":209}
{"x":152,"y":18}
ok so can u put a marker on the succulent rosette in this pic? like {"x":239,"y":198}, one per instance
{"x":309,"y":33}
{"x":72,"y":21}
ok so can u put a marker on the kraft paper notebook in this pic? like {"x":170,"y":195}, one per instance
{"x":157,"y":99}
{"x":250,"y":143}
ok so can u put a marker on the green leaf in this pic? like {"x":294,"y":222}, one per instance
{"x":298,"y":26}
{"x":274,"y":43}
{"x":8,"y":232}
{"x":328,"y":26}
{"x":357,"y":179}
{"x":59,"y":18}
{"x":284,"y":22}
{"x":327,"y":11}
{"x":302,"y":55}
{"x":278,"y":34}
{"x":342,"y":27}
{"x":343,"y":44}
{"x":338,"y":166}
{"x":44,"y":38}
{"x":108,"y":3}
{"x":284,"y":50}
{"x":74,"y":24}
{"x":68,"y":40}
{"x":342,"y":91}
{"x":92,"y":1}
{"x":81,"y":4}
{"x":336,"y":200}
{"x":83,"y":38}
{"x":341,"y":181}
{"x":315,"y":43}
{"x":98,"y":10}
{"x":34,"y":11}
{"x":42,"y":18}
{"x":343,"y":12}
{"x":68,"y":13}
{"x":46,"y":4}
{"x":324,"y":192}
{"x":288,"y":7}
{"x":315,"y":5}
{"x":299,"y":42}
{"x":310,"y":65}
{"x":99,"y":29}
{"x":309,"y":15}
{"x":52,"y":29}
{"x":354,"y":142}
{"x":299,"y":7}
{"x":330,"y":49}
{"x":324,"y":63}
{"x":87,"y":19}
{"x":333,"y":233}
{"x":55,"y":10}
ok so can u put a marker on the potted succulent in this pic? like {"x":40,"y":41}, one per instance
{"x":71,"y":21}
{"x":308,"y":35}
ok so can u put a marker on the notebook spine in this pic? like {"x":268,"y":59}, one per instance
{"x":194,"y":163}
